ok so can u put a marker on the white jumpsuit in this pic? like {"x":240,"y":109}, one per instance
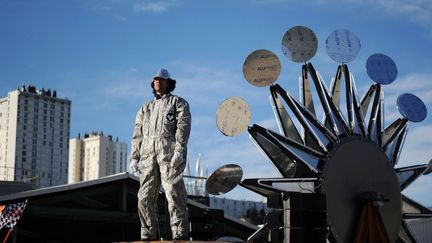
{"x":162,"y":129}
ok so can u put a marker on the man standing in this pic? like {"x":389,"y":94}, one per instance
{"x":159,"y":149}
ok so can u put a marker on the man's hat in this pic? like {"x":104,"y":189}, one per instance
{"x":163,"y":73}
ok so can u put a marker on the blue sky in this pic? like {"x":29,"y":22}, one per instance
{"x":102,"y":54}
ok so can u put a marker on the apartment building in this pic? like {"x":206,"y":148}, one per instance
{"x":34,"y":136}
{"x":95,"y":156}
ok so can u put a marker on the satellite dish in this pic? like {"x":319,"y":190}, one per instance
{"x":233,"y":116}
{"x":342,"y":46}
{"x":381,"y":68}
{"x":224,"y":179}
{"x":261,"y":68}
{"x":411,"y":107}
{"x":299,"y":44}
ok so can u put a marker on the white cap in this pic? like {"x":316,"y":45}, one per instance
{"x":163,"y":73}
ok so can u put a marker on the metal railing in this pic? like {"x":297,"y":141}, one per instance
{"x":8,"y":173}
{"x":195,"y":185}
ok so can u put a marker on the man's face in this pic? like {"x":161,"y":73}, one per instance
{"x":160,"y":85}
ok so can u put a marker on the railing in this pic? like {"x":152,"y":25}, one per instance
{"x":195,"y":185}
{"x":8,"y":173}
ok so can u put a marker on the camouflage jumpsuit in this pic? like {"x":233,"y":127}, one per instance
{"x":162,"y":129}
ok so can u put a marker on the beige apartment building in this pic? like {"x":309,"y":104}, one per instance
{"x":95,"y":156}
{"x":34,"y":137}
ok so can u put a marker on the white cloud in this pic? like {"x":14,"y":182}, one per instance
{"x":418,"y":84}
{"x":416,"y":149}
{"x":269,"y":123}
{"x":154,"y":7}
{"x":121,"y":18}
{"x":123,"y":84}
{"x":127,"y":7}
{"x":419,"y":11}
{"x":241,"y":151}
{"x":416,"y":11}
{"x":420,"y":190}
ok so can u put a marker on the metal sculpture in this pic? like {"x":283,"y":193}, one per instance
{"x":344,"y":162}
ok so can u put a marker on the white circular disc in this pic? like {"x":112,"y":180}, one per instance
{"x":233,"y":116}
{"x":261,"y":68}
{"x":299,"y":44}
{"x":342,"y":46}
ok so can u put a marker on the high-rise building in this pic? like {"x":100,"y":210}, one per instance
{"x":34,"y":137}
{"x":95,"y":156}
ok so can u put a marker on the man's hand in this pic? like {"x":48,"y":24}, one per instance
{"x":176,"y":160}
{"x":133,"y":166}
